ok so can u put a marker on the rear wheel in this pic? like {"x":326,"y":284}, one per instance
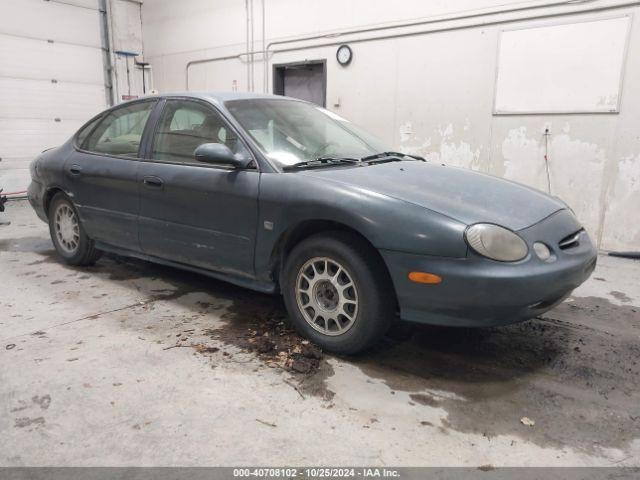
{"x":338,"y":293}
{"x":68,"y":235}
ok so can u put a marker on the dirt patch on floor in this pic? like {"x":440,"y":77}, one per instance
{"x":36,"y":244}
{"x":620,"y":296}
{"x":253,"y":322}
{"x":424,"y":399}
{"x":258,"y":324}
{"x":23,"y":422}
{"x":269,"y":335}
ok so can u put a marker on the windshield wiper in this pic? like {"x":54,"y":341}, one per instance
{"x":328,"y":161}
{"x":322,"y":162}
{"x":389,"y":157}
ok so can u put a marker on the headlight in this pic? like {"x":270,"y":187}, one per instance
{"x":495,"y":242}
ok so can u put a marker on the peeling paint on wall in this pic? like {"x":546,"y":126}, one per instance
{"x":623,"y":205}
{"x":457,"y":153}
{"x":446,"y":132}
{"x":424,"y":150}
{"x":406,"y":131}
{"x":576,"y":169}
{"x":452,"y":152}
{"x":524,"y":158}
{"x":460,"y":155}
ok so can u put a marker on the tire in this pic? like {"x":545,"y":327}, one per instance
{"x":338,"y":293}
{"x":67,"y":234}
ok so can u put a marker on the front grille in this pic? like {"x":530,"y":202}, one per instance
{"x":570,"y":241}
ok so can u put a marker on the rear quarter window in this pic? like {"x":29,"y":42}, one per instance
{"x":86,"y":130}
{"x":120,"y":131}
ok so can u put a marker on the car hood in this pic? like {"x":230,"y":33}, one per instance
{"x":464,"y":195}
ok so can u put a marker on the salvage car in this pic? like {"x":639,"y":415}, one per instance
{"x":279,"y":195}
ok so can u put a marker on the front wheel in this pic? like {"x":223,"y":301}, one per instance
{"x":338,"y":293}
{"x":68,"y":235}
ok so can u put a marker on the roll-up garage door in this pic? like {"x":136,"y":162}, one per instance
{"x":51,"y":78}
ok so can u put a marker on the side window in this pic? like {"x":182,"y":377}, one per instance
{"x":121,"y":130}
{"x":185,"y":125}
{"x":82,"y":134}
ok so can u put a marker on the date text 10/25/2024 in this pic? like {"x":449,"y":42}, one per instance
{"x":319,"y":472}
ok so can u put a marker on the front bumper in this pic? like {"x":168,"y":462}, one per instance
{"x":476,"y":291}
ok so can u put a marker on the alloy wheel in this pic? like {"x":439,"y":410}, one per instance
{"x":327,"y":296}
{"x":66,"y":228}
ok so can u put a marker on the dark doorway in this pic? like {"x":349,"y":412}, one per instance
{"x":303,"y":80}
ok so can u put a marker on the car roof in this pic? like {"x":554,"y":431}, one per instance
{"x":219,"y":97}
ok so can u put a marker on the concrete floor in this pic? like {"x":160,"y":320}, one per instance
{"x":87,"y":376}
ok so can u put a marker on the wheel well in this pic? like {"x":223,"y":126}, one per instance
{"x":48,"y":197}
{"x":306,"y":229}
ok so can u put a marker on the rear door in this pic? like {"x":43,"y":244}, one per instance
{"x":196,"y":213}
{"x":102,"y":172}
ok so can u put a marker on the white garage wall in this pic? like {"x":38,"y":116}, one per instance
{"x":51,"y":79}
{"x":54,"y":73}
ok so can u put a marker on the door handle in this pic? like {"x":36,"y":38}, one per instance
{"x":75,"y":170}
{"x":152,"y":182}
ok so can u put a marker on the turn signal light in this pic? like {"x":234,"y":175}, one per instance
{"x":424,"y":277}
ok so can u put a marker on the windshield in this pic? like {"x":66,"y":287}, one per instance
{"x":289,"y":132}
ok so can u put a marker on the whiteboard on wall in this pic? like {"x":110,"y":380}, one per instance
{"x":562,"y":68}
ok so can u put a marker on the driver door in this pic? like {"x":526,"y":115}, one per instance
{"x":194,"y":213}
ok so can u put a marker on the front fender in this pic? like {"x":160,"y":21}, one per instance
{"x":288,"y":199}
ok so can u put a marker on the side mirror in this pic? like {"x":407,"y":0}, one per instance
{"x":220,"y":154}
